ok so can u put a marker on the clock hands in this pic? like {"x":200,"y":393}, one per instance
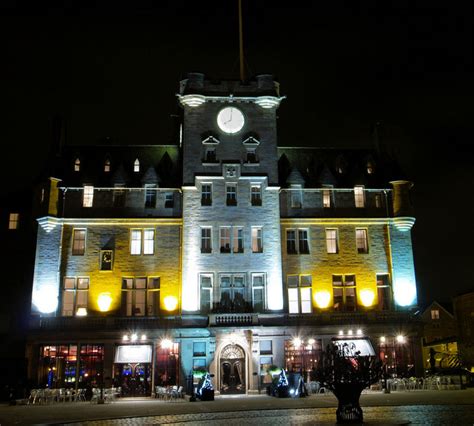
{"x":230,"y":118}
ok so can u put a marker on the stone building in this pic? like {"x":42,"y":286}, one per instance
{"x":464,"y":314}
{"x":223,"y":252}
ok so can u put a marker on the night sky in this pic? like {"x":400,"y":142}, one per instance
{"x":112,"y":70}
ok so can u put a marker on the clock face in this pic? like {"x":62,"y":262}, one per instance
{"x":230,"y":120}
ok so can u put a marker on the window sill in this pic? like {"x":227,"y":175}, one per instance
{"x":207,"y":163}
{"x":251,"y":164}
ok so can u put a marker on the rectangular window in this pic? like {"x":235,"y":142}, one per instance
{"x":296,"y":196}
{"x":13,"y":221}
{"x":206,"y":194}
{"x":256,"y":195}
{"x":303,"y":244}
{"x":238,"y":240}
{"x":106,"y":260}
{"x":150,"y":195}
{"x":88,"y":196}
{"x":136,"y":241}
{"x":359,"y":196}
{"x":299,"y":294}
{"x":153,"y":296}
{"x":199,"y":364}
{"x":148,"y":241}
{"x":206,"y":245}
{"x":257,"y":240}
{"x":435,"y":314}
{"x":251,"y":155}
{"x":206,"y":293}
{"x":119,"y":195}
{"x":224,"y":239}
{"x":331,"y":240}
{"x":291,"y":241}
{"x":78,"y":242}
{"x":199,"y":348}
{"x":344,"y":293}
{"x":231,"y":194}
{"x":169,"y":200}
{"x":137,"y":298}
{"x":75,"y":296}
{"x":327,"y":198}
{"x":384,"y":292}
{"x":266,"y":347}
{"x":258,"y":292}
{"x":378,"y":201}
{"x":210,"y":155}
{"x":361,"y":241}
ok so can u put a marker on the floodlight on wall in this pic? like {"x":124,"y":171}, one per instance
{"x":322,"y":298}
{"x":367,"y":297}
{"x":104,"y":301}
{"x":45,"y":299}
{"x":267,"y":102}
{"x":166,"y":343}
{"x":81,"y":312}
{"x":404,"y":291}
{"x":171,"y":303}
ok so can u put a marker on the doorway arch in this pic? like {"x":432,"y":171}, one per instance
{"x":232,"y":370}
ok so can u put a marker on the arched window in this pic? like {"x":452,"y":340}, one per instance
{"x":136,"y":166}
{"x":370,"y":167}
{"x":77,"y":165}
{"x":107,"y":166}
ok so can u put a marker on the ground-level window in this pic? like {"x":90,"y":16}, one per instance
{"x":75,"y":296}
{"x":344,"y":293}
{"x":141,"y":296}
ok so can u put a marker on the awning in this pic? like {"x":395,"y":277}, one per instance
{"x":133,"y":353}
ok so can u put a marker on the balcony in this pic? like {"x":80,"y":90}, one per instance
{"x":233,"y":319}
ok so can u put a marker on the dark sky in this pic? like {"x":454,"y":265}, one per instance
{"x":112,"y":70}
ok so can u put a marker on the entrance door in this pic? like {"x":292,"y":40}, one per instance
{"x":232,"y":369}
{"x":133,"y":378}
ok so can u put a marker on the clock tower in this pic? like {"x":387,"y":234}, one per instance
{"x":231,"y":233}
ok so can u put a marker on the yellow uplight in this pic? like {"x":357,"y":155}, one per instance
{"x":171,"y":303}
{"x":367,"y":297}
{"x":104,"y":301}
{"x":322,"y":298}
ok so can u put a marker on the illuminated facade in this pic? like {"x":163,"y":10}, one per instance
{"x":223,"y":252}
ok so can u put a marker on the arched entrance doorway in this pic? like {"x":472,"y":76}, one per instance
{"x":232,"y":369}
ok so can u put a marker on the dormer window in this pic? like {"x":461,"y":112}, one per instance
{"x":251,"y":145}
{"x":210,"y":155}
{"x":77,"y":165}
{"x":209,"y":144}
{"x":107,"y":166}
{"x":136,"y":166}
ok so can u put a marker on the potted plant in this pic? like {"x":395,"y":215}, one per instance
{"x":346,"y":373}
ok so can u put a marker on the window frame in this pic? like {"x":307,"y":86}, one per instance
{"x":256,"y":196}
{"x":343,"y":287}
{"x":296,"y":196}
{"x":225,"y":233}
{"x":299,"y":246}
{"x":206,"y":196}
{"x":359,"y":196}
{"x":75,"y":291}
{"x":136,"y":165}
{"x":13,"y":221}
{"x":262,"y":287}
{"x":76,"y":252}
{"x":300,"y":295}
{"x":150,"y":195}
{"x":204,"y":248}
{"x":231,"y":200}
{"x":332,"y":241}
{"x":209,"y":288}
{"x":364,"y":249}
{"x":256,"y":239}
{"x":88,"y":196}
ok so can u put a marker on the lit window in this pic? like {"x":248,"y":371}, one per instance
{"x":296,"y":196}
{"x":231,"y":194}
{"x":107,"y":166}
{"x":370,"y":168}
{"x":361,"y":241}
{"x":150,"y":195}
{"x":148,"y":241}
{"x":435,"y":314}
{"x":136,"y":166}
{"x":77,"y":165}
{"x":88,"y":197}
{"x":238,"y":240}
{"x":136,"y":241}
{"x":344,"y":293}
{"x":205,"y":293}
{"x":299,"y":294}
{"x":75,"y":295}
{"x":106,"y":260}
{"x":256,"y":195}
{"x":78,"y":242}
{"x":224,"y":239}
{"x":141,"y":297}
{"x":327,"y":197}
{"x":206,"y":244}
{"x":359,"y":196}
{"x":257,"y":241}
{"x":331,"y":240}
{"x":206,"y":194}
{"x":13,"y":220}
